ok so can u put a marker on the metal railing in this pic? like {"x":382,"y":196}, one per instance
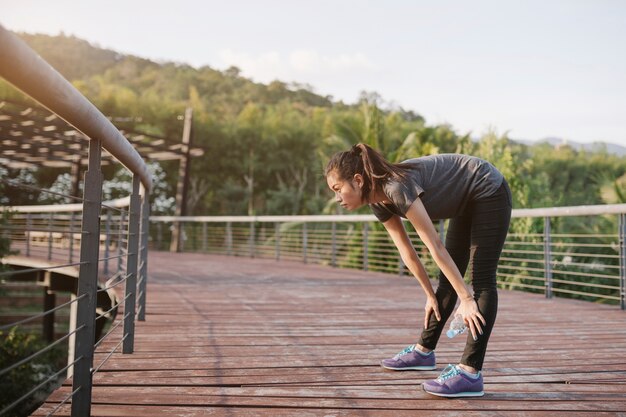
{"x":90,"y":239}
{"x":583,"y":257}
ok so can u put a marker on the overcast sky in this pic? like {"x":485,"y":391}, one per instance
{"x":535,"y":69}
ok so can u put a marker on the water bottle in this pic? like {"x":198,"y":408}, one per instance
{"x":457,"y":326}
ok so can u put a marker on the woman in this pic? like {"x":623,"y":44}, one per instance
{"x":476,"y":197}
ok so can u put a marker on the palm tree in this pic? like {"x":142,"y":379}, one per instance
{"x":613,"y":190}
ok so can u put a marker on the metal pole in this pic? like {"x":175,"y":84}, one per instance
{"x":120,"y":244}
{"x":159,"y":236}
{"x":277,"y":239}
{"x":205,"y":237}
{"x":182,"y":236}
{"x":305,"y":239}
{"x":71,"y":250}
{"x":75,"y":170}
{"x":365,"y":247}
{"x":229,"y":238}
{"x":622,"y":261}
{"x":251,"y":239}
{"x":547,"y":256}
{"x":107,"y":241}
{"x":28,"y":227}
{"x":131,"y":268}
{"x":143,"y":253}
{"x":183,"y":180}
{"x":87,"y":283}
{"x":333,"y":247}
{"x":50,"y":220}
{"x":49,"y":301}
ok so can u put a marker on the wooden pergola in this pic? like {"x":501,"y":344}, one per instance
{"x":32,"y":136}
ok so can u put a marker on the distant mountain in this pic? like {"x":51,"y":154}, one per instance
{"x":611,"y":148}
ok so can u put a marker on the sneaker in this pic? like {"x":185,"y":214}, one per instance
{"x":410,"y":359}
{"x":454,"y":382}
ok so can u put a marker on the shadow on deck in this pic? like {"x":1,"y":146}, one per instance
{"x":228,"y":336}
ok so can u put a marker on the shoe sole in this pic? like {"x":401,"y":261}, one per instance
{"x":411,"y":368}
{"x":457,"y":395}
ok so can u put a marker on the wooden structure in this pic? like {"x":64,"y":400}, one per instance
{"x":228,"y":336}
{"x":24,"y":69}
{"x":31,"y":136}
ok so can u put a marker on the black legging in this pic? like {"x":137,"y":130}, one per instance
{"x":478,"y":233}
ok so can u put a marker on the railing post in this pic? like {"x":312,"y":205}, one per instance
{"x":159,"y":235}
{"x":277,"y":239}
{"x":547,"y":257}
{"x":229,"y":238}
{"x":622,"y":260}
{"x":131,"y":268}
{"x":107,"y":242}
{"x":50,"y":219}
{"x":71,"y":249}
{"x":143,"y":256}
{"x":182,"y":235}
{"x":49,"y":302}
{"x":119,"y":240}
{"x":28,"y":227}
{"x":87,"y":283}
{"x":251,"y":239}
{"x":365,"y":248}
{"x":333,"y":246}
{"x":305,"y":238}
{"x":205,"y":237}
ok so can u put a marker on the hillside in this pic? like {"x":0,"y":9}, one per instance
{"x":77,"y":60}
{"x":74,"y":58}
{"x":266,"y":144}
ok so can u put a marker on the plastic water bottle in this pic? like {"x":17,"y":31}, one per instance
{"x":457,"y":326}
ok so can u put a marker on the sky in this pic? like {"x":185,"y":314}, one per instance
{"x":531,"y":69}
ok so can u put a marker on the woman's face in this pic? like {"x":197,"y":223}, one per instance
{"x":347,"y":192}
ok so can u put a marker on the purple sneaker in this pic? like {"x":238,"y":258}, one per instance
{"x":410,"y":359}
{"x":454,"y":382}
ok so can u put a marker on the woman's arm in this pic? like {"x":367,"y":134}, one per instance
{"x":398,"y":234}
{"x":422,"y":223}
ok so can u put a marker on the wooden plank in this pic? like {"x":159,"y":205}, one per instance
{"x":397,"y":400}
{"x":502,"y":392}
{"x":240,"y":337}
{"x":105,"y":410}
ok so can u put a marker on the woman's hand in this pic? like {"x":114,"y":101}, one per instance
{"x":471,"y":316}
{"x":431,"y":307}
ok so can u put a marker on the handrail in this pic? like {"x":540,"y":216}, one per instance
{"x":588,"y":210}
{"x":65,"y":208}
{"x":323,"y":218}
{"x":596,"y":268}
{"x":26,"y":70}
{"x":23,"y":68}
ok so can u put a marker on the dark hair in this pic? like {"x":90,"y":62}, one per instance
{"x":366,"y":161}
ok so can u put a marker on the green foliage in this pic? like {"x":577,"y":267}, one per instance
{"x":266,"y":145}
{"x":5,"y":238}
{"x":72,"y":57}
{"x":15,"y":346}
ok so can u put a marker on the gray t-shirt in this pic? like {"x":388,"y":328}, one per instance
{"x":445,"y":183}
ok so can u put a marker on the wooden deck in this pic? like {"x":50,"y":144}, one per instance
{"x":236,"y":337}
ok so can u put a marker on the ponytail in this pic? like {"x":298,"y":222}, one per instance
{"x":366,"y":161}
